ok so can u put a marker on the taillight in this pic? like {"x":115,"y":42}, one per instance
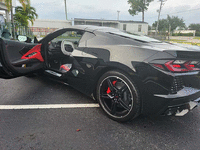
{"x":192,"y":65}
{"x":159,"y":66}
{"x":179,"y":66}
{"x":175,"y":67}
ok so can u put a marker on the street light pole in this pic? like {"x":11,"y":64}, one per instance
{"x":65,"y":8}
{"x":118,"y":15}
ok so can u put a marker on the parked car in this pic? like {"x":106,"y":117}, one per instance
{"x":126,"y":73}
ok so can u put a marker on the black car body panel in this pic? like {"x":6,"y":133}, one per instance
{"x":102,"y":49}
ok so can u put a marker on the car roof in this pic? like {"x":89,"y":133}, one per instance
{"x":91,"y":28}
{"x":88,"y":28}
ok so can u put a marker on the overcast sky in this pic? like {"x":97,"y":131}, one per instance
{"x":189,"y":10}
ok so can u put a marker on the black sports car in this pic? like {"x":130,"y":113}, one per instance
{"x":126,"y":73}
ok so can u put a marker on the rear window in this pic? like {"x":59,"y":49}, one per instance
{"x":135,"y":36}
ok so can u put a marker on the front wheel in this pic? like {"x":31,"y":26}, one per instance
{"x":118,"y":96}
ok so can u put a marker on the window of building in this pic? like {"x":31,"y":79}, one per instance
{"x":139,"y":28}
{"x":124,"y":27}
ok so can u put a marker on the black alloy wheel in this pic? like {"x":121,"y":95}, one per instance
{"x":118,"y":96}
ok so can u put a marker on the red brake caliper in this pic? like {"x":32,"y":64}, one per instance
{"x":108,"y":90}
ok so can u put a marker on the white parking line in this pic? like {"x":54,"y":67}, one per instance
{"x":48,"y":106}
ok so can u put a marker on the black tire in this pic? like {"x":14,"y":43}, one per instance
{"x":118,"y":96}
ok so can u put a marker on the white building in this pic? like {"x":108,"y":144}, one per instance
{"x":4,"y":8}
{"x":42,"y":27}
{"x":136,"y":27}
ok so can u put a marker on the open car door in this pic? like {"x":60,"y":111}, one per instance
{"x":19,"y":58}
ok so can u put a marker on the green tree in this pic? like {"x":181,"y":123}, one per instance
{"x":137,"y":6}
{"x":175,"y":22}
{"x":171,"y":22}
{"x":194,"y":26}
{"x":25,"y":3}
{"x":8,"y":3}
{"x":23,"y":17}
{"x":163,"y":25}
{"x":149,"y":27}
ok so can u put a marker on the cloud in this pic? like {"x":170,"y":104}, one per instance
{"x":107,"y":9}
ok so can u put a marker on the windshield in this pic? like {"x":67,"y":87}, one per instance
{"x":135,"y":36}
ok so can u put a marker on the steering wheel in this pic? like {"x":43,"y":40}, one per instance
{"x":65,"y":42}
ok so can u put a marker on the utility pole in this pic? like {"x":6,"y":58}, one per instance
{"x":65,"y":8}
{"x":159,"y":11}
{"x":169,"y":32}
{"x":144,"y":1}
{"x":12,"y":20}
{"x":118,"y":15}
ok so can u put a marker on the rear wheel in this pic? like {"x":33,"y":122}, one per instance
{"x":118,"y":96}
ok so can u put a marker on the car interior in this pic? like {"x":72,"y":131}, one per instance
{"x":56,"y":58}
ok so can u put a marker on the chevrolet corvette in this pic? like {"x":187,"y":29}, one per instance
{"x":127,"y":74}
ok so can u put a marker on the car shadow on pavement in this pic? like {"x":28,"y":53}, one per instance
{"x":173,"y":132}
{"x":41,"y":90}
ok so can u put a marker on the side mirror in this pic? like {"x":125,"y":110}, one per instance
{"x":22,"y":38}
{"x":35,"y":40}
{"x":67,"y":47}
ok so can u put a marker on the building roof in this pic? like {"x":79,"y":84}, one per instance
{"x":51,"y":20}
{"x":113,"y":21}
{"x":130,"y":21}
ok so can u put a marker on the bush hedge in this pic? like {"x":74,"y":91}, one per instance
{"x":186,"y":34}
{"x":197,"y":34}
{"x":182,"y":34}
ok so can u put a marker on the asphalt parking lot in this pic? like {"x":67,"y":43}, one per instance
{"x":82,"y":128}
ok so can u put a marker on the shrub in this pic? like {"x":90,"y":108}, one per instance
{"x":182,"y":34}
{"x":197,"y":34}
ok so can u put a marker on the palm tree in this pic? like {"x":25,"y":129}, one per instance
{"x":25,"y":3}
{"x":23,"y":16}
{"x":8,"y":3}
